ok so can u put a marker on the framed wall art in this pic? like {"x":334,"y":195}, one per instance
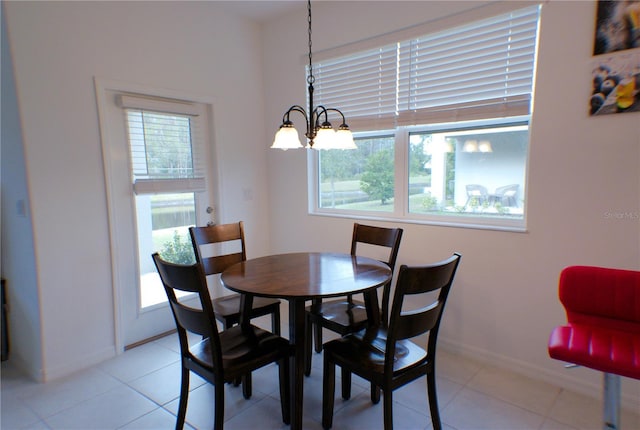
{"x":616,"y":66}
{"x":617,"y":26}
{"x":616,"y":84}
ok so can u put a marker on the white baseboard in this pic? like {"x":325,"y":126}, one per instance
{"x":20,"y":364}
{"x":563,"y":378}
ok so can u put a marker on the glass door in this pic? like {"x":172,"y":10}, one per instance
{"x":163,"y":223}
{"x":158,"y":167}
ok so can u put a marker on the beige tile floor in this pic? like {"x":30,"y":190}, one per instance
{"x":139,"y":390}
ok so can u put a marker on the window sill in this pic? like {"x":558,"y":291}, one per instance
{"x":476,"y":223}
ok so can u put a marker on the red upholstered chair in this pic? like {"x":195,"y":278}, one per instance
{"x":603,"y":327}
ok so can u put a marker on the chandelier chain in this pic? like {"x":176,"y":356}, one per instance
{"x":310,"y":78}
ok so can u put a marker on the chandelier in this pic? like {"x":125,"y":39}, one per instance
{"x":320,"y":134}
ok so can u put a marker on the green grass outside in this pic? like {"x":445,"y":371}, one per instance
{"x":354,"y":185}
{"x":373,"y":206}
{"x":415,"y":202}
{"x":325,"y":187}
{"x":417,"y":207}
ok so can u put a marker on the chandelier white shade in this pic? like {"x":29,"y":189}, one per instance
{"x":286,"y":138}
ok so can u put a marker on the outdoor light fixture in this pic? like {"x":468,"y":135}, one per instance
{"x":485,"y":146}
{"x":475,"y":146}
{"x":470,"y":146}
{"x":320,"y":133}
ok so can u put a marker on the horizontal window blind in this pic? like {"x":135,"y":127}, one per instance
{"x":480,"y":70}
{"x":159,"y":186}
{"x":156,"y":104}
{"x":363,"y":86}
{"x":165,"y":148}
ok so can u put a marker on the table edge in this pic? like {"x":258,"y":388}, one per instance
{"x":312,"y":296}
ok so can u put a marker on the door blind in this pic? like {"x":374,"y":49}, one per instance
{"x":165,"y":147}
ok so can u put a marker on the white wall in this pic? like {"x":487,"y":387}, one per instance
{"x":504,"y":303}
{"x":18,"y":262}
{"x":58,"y":48}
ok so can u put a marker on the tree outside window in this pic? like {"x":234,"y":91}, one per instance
{"x":361,"y":179}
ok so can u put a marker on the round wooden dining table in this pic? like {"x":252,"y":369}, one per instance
{"x":297,"y":278}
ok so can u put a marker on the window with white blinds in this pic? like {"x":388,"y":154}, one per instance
{"x":476,"y":71}
{"x":164,"y":145}
{"x":440,"y":113}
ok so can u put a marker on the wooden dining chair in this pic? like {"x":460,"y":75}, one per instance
{"x":346,"y":315}
{"x":227,"y":308}
{"x":386,"y":356}
{"x":220,"y":356}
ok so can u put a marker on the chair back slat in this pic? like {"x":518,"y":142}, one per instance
{"x":414,"y":284}
{"x":416,"y":322}
{"x":219,"y":234}
{"x":191,"y":319}
{"x":219,"y":263}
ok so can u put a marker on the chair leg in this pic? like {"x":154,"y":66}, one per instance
{"x":307,"y":346}
{"x":346,"y":384}
{"x":317,"y":331}
{"x":611,"y":401}
{"x":246,"y":385}
{"x":275,"y":321}
{"x":226,"y":324}
{"x":388,"y":409}
{"x":184,"y":395}
{"x":317,"y":328}
{"x":328,"y":393}
{"x":375,"y":394}
{"x":218,"y":423}
{"x":433,"y":400}
{"x":283,"y":371}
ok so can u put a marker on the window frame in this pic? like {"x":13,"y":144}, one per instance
{"x":400,"y":210}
